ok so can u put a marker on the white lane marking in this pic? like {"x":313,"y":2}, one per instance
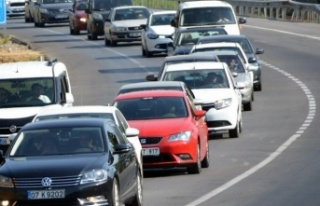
{"x":276,"y":153}
{"x":284,"y":32}
{"x":110,"y":50}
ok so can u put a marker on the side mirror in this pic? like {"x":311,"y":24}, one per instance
{"x":259,"y":51}
{"x":199,"y":113}
{"x":240,"y":85}
{"x":234,"y":74}
{"x":122,"y":148}
{"x":143,"y":26}
{"x":252,"y":60}
{"x":242,"y":20}
{"x":151,"y":77}
{"x":132,"y":132}
{"x":69,"y":98}
{"x":173,"y":23}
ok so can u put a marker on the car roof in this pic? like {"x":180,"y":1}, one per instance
{"x":32,"y":69}
{"x":154,"y":84}
{"x":190,"y":57}
{"x":218,"y":44}
{"x":163,"y":12}
{"x":77,"y":122}
{"x":77,"y":109}
{"x":195,"y":66}
{"x":150,"y":93}
{"x":217,"y":53}
{"x":200,"y":4}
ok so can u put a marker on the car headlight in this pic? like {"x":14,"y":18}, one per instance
{"x":244,"y":85}
{"x":222,"y":103}
{"x":183,"y":136}
{"x":97,"y":16}
{"x":119,"y":29}
{"x":98,"y":175}
{"x":152,"y":36}
{"x":5,"y":181}
{"x":83,"y":19}
{"x":42,"y":10}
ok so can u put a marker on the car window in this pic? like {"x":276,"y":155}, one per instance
{"x":192,"y":37}
{"x":237,"y":65}
{"x":236,"y":49}
{"x":161,"y":19}
{"x":122,"y":122}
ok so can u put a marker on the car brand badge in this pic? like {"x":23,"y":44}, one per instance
{"x":136,"y":28}
{"x":143,"y":141}
{"x":46,"y":182}
{"x":61,"y":10}
{"x":13,"y":128}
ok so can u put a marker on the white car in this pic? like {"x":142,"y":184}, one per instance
{"x":221,"y":99}
{"x":157,"y":33}
{"x":123,"y":24}
{"x":106,"y":112}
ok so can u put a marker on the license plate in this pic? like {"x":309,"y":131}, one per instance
{"x":4,"y":141}
{"x":61,"y":17}
{"x":134,"y":34}
{"x":152,"y":151}
{"x":46,"y":194}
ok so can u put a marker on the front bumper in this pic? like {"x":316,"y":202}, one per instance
{"x":15,"y":10}
{"x":157,"y":45}
{"x":55,"y":17}
{"x":127,"y":36}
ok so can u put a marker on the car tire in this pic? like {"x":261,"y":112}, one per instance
{"x":206,"y":161}
{"x":76,"y":31}
{"x":258,"y":87}
{"x":71,"y":31}
{"x":26,"y":19}
{"x":143,"y":51}
{"x":35,"y":24}
{"x":196,"y":167}
{"x":234,"y":133}
{"x":247,"y":106}
{"x":137,"y":200}
{"x":106,"y":42}
{"x":94,"y":36}
{"x":148,"y":54}
{"x":114,"y":199}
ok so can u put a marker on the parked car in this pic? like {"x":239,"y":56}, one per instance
{"x":213,"y":83}
{"x":240,"y":73}
{"x":29,"y":10}
{"x":97,"y":11}
{"x":247,"y":48}
{"x":78,"y":17}
{"x":123,"y":24}
{"x":185,"y":38}
{"x":70,"y":162}
{"x":104,"y":112}
{"x":157,"y":33}
{"x":51,"y":12}
{"x":172,"y":133}
{"x":14,"y":7}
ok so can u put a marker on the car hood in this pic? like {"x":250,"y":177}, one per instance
{"x":129,"y":23}
{"x":163,"y":30}
{"x":242,"y":77}
{"x":21,"y":112}
{"x":159,"y":127}
{"x":65,"y":7}
{"x":21,"y":167}
{"x":181,"y":50}
{"x":211,"y":95}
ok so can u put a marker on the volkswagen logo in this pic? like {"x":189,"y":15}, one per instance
{"x":61,"y":10}
{"x":46,"y":182}
{"x":143,"y":141}
{"x":13,"y":128}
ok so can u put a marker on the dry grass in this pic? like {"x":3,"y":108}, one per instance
{"x":15,"y":52}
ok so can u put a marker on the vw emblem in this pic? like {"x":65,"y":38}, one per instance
{"x":46,"y":182}
{"x":13,"y":128}
{"x":143,"y":141}
{"x":61,"y":10}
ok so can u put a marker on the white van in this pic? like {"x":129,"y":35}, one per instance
{"x":207,"y":13}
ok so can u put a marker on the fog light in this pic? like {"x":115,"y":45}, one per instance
{"x":184,"y":156}
{"x":4,"y":203}
{"x":92,"y":200}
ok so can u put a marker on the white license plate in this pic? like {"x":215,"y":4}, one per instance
{"x":134,"y":34}
{"x":46,"y":194}
{"x":61,"y":17}
{"x":4,"y":141}
{"x":151,"y":151}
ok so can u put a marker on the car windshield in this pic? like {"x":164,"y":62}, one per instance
{"x":192,"y":37}
{"x":200,"y":79}
{"x":234,"y":62}
{"x":131,"y":14}
{"x":78,"y":115}
{"x":82,"y":5}
{"x":205,"y":49}
{"x":207,"y":16}
{"x":152,"y":108}
{"x":26,"y":92}
{"x":150,"y":88}
{"x":58,"y":141}
{"x":244,"y":43}
{"x":161,"y":19}
{"x":56,"y":1}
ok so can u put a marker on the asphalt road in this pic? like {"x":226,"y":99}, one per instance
{"x":275,"y":160}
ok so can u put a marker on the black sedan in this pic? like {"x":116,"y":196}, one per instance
{"x":185,"y":38}
{"x":70,"y":162}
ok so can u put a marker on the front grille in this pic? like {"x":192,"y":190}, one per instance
{"x":161,"y":46}
{"x":48,"y":203}
{"x":17,"y":4}
{"x":157,"y":159}
{"x":150,"y":140}
{"x":218,"y":123}
{"x":206,"y":107}
{"x":136,"y":28}
{"x":6,"y":123}
{"x":66,"y":181}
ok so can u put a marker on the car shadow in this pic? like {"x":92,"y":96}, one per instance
{"x":151,"y":173}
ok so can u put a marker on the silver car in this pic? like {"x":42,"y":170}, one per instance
{"x":123,"y":24}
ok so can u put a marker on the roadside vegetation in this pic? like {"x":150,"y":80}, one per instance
{"x":13,"y":51}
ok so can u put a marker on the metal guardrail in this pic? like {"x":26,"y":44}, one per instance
{"x":286,"y":10}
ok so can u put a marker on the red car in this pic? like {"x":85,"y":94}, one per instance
{"x":172,"y":132}
{"x":78,"y":17}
